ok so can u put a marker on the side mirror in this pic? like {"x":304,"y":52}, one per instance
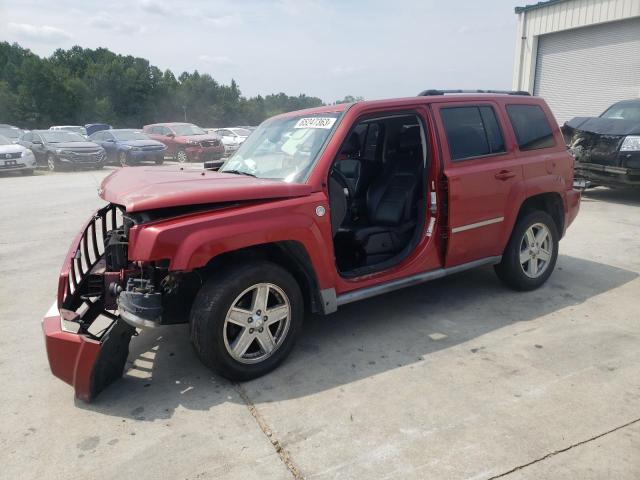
{"x":171,"y":135}
{"x":36,"y":142}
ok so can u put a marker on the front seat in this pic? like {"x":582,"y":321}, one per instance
{"x":391,"y":202}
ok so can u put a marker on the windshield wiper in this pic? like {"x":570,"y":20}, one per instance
{"x":239,"y":172}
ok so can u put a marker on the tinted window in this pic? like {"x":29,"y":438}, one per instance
{"x":531,"y":127}
{"x":28,"y":137}
{"x":371,"y":142}
{"x":472,"y":132}
{"x":98,"y":137}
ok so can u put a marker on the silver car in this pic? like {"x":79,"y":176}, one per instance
{"x":16,"y":158}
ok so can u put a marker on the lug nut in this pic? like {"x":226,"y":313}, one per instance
{"x":260,"y":329}
{"x":265,"y":318}
{"x":250,"y":319}
{"x":259,"y":312}
{"x":251,"y":330}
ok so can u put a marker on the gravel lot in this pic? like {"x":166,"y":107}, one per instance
{"x":459,"y":378}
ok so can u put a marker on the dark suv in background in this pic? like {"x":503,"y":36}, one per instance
{"x":59,"y":148}
{"x":187,"y":142}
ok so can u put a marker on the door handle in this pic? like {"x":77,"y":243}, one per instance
{"x":504,"y":175}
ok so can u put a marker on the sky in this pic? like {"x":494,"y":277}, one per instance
{"x":323,"y":48}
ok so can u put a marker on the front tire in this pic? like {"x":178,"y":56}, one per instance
{"x":122,"y":159}
{"x":52,"y":163}
{"x":244,"y":320}
{"x":531,"y":254}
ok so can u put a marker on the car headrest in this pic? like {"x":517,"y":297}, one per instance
{"x":410,"y":139}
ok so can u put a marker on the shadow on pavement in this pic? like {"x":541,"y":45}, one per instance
{"x":361,"y":340}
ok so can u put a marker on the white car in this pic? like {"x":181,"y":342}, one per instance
{"x":71,"y":128}
{"x":16,"y":158}
{"x":232,"y":138}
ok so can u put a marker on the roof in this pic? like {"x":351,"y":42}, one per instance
{"x":535,"y":6}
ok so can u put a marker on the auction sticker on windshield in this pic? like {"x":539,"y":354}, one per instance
{"x":315,"y":122}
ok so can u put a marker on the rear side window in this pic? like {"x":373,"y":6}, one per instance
{"x":531,"y":127}
{"x":472,"y":131}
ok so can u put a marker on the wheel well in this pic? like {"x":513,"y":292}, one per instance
{"x":547,"y":202}
{"x":290,"y":255}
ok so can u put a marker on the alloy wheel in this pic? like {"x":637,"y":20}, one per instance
{"x":51,"y":163}
{"x":536,"y":250}
{"x":122,"y":158}
{"x":257,"y":323}
{"x":182,"y":156}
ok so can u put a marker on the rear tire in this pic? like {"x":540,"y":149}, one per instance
{"x":531,"y":253}
{"x":230,"y":326}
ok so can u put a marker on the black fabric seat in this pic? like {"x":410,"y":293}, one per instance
{"x":358,"y":170}
{"x":391,"y":202}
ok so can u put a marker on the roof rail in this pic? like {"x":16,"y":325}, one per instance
{"x":427,"y":93}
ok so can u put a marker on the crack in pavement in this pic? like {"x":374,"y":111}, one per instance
{"x":556,"y":452}
{"x":284,"y":455}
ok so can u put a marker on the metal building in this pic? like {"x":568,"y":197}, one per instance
{"x":580,"y":55}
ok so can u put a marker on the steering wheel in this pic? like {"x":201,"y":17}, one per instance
{"x":343,"y":181}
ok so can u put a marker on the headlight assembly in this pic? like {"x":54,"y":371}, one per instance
{"x":631,"y":143}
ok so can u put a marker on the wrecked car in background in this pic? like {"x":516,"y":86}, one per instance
{"x":607,"y":148}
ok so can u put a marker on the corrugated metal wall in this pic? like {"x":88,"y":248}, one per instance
{"x":558,"y":17}
{"x":581,"y":72}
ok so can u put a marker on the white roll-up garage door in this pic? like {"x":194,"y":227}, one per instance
{"x":581,"y":72}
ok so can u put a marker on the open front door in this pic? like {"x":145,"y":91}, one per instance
{"x":484,"y":179}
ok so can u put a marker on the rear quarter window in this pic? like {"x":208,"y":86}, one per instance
{"x":531,"y":127}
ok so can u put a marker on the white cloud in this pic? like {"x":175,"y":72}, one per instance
{"x":154,"y":6}
{"x":222,"y":21}
{"x":105,"y":21}
{"x":39,"y":33}
{"x":215,"y":60}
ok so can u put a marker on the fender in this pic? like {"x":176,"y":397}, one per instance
{"x":191,"y":241}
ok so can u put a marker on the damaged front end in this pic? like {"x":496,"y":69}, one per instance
{"x":102,"y":298}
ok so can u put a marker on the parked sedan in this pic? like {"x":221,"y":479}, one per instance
{"x":58,"y":148}
{"x":15,"y":158}
{"x":127,"y":146}
{"x":607,"y":148}
{"x":232,"y":138}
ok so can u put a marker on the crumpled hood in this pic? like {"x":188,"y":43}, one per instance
{"x":149,"y":188}
{"x":605,"y":126}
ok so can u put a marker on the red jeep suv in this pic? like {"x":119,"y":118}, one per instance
{"x":187,"y":142}
{"x":317,"y":209}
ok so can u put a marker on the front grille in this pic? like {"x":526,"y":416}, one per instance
{"x":210,"y":143}
{"x":76,"y":284}
{"x":596,"y":148}
{"x":9,"y":156}
{"x":13,"y":165}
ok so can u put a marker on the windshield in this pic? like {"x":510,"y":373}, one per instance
{"x":624,"y":112}
{"x":60,"y":136}
{"x":5,"y":141}
{"x":10,"y":132}
{"x":187,"y":129}
{"x":129,"y":135}
{"x":283,"y":148}
{"x":243,"y":132}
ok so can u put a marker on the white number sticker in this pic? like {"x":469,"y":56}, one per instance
{"x":315,"y":122}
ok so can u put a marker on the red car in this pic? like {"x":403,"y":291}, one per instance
{"x":187,"y":142}
{"x":319,"y":208}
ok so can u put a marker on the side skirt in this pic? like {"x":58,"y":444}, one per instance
{"x":369,"y":292}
